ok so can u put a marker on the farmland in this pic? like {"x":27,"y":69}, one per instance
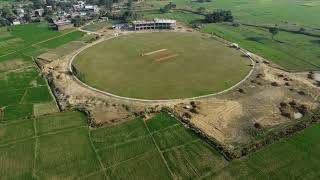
{"x":257,"y":39}
{"x":158,"y":148}
{"x":41,"y":140}
{"x":24,"y":92}
{"x":170,"y":68}
{"x":260,"y":11}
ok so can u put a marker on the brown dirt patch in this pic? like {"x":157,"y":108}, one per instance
{"x":11,"y":65}
{"x":166,"y":56}
{"x":44,"y":108}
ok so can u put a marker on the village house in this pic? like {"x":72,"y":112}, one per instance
{"x":62,"y":24}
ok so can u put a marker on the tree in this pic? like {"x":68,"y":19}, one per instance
{"x":219,"y":16}
{"x":129,"y":16}
{"x":7,"y":14}
{"x":274,"y":31}
{"x":27,"y":17}
{"x":201,"y":10}
{"x":38,"y":3}
{"x":168,"y":7}
{"x":78,"y":21}
{"x":129,"y":4}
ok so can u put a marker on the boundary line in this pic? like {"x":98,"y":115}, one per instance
{"x":160,"y":100}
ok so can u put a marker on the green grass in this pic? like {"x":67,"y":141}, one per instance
{"x":96,"y":26}
{"x":66,"y":155}
{"x":17,"y":111}
{"x":295,"y":157}
{"x":180,"y":16}
{"x":194,"y":160}
{"x":148,"y":166}
{"x":37,"y":95}
{"x":16,"y":160}
{"x":174,"y":136}
{"x":63,"y":150}
{"x":11,"y":97}
{"x":160,"y":121}
{"x":114,"y":155}
{"x":54,"y":43}
{"x":110,"y":136}
{"x":306,"y":48}
{"x":59,"y":121}
{"x":259,"y":11}
{"x":202,"y":66}
{"x":15,"y":131}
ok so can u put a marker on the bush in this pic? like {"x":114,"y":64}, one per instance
{"x":219,"y":16}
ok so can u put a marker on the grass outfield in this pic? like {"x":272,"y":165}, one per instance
{"x":189,"y":64}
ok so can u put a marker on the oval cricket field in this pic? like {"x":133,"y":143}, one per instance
{"x":161,"y":66}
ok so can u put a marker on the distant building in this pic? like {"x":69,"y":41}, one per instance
{"x":62,"y":24}
{"x":38,"y":12}
{"x":16,"y":22}
{"x":154,"y":24}
{"x":20,"y":12}
{"x":49,"y":8}
{"x":91,"y":8}
{"x":119,"y":26}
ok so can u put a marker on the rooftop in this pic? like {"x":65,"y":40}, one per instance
{"x":155,"y":21}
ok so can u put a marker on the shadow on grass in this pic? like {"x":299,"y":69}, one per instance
{"x":263,"y":40}
{"x":316,"y":41}
{"x":258,"y":39}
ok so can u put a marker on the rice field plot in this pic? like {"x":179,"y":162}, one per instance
{"x":173,"y":136}
{"x":111,"y":136}
{"x":148,"y":166}
{"x":259,"y":41}
{"x":18,"y":111}
{"x":66,"y":155}
{"x":164,"y":150}
{"x":40,"y":109}
{"x":259,"y":11}
{"x":59,"y":41}
{"x":60,"y":121}
{"x":10,"y":132}
{"x":28,"y":77}
{"x":11,"y":97}
{"x":160,"y":121}
{"x":131,"y":153}
{"x":19,"y":37}
{"x":293,"y":158}
{"x":20,"y":89}
{"x":38,"y":94}
{"x":193,"y":160}
{"x":16,"y":160}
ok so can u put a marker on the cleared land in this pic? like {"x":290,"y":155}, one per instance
{"x":202,"y":66}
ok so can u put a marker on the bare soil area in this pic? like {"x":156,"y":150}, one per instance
{"x":270,"y":97}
